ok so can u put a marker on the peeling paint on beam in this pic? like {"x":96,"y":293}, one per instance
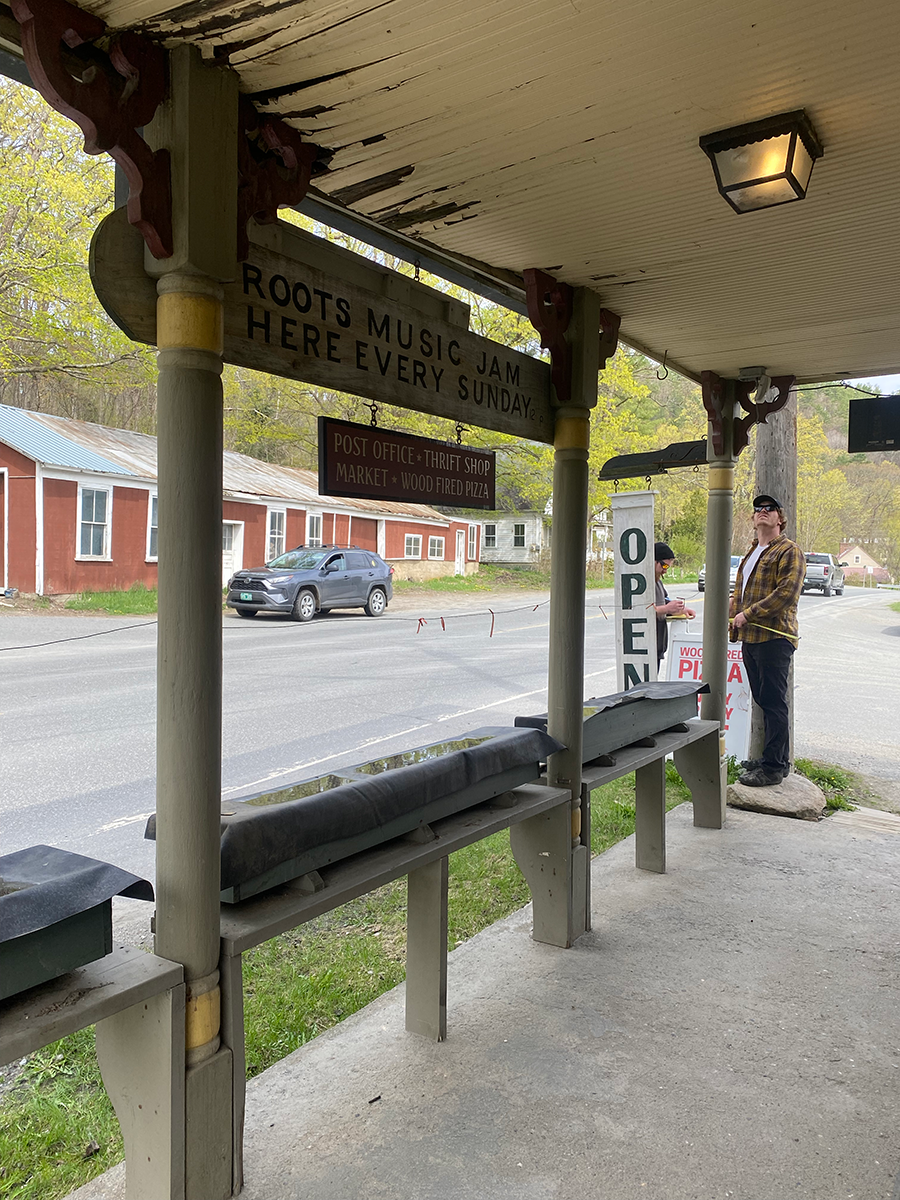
{"x":270,"y":95}
{"x":369,"y":187}
{"x":423,"y":216}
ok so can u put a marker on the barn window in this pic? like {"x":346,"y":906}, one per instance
{"x":490,"y":537}
{"x":518,"y":535}
{"x":314,"y":530}
{"x":413,"y":547}
{"x":435,"y":547}
{"x":276,"y":533}
{"x":153,"y":528}
{"x":93,"y":541}
{"x":473,"y":542}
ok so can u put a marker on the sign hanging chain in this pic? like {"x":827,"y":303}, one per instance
{"x":373,"y":409}
{"x":460,"y":430}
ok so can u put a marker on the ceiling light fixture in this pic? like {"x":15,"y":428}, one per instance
{"x":764,"y":163}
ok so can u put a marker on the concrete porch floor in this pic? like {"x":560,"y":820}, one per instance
{"x":731,"y":1028}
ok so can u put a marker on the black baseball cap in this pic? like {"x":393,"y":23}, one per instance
{"x":766,"y":500}
{"x":663,"y":552}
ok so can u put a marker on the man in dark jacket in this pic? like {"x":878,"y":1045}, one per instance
{"x":764,"y":618}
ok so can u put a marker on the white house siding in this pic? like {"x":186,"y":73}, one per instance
{"x":505,"y":550}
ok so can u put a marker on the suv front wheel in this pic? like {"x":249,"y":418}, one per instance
{"x":304,"y":606}
{"x":377,"y":602}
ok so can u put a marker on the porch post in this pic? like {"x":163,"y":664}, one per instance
{"x":776,"y":475}
{"x":567,"y":582}
{"x":719,"y":526}
{"x":198,"y":125}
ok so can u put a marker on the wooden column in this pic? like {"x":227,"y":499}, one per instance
{"x":198,"y":125}
{"x":776,"y":475}
{"x":567,"y":582}
{"x":719,"y":528}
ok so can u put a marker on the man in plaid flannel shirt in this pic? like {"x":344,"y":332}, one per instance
{"x":764,"y":618}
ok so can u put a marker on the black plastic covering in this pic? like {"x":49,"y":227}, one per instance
{"x":662,"y":689}
{"x":42,"y":885}
{"x":255,"y":837}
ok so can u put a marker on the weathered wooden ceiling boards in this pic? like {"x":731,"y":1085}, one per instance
{"x":563,"y":135}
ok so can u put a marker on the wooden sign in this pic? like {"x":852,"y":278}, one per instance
{"x":383,"y":464}
{"x":308,"y":310}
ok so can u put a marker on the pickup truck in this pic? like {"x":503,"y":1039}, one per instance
{"x":824,"y":574}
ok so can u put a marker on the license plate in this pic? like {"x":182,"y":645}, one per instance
{"x":246,"y":595}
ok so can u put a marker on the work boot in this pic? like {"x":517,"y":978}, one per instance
{"x":760,"y":777}
{"x":751,"y":764}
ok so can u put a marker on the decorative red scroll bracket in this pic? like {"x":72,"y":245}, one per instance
{"x":550,"y":312}
{"x":109,"y":97}
{"x":713,"y":392}
{"x":609,"y":335}
{"x":275,"y":166}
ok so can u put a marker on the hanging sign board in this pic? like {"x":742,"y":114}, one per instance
{"x":306,"y":309}
{"x":382,"y":464}
{"x":685,"y":661}
{"x":635,"y":579}
{"x":874,"y":424}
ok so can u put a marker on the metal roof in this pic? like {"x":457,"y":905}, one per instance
{"x":562,"y":134}
{"x":82,"y":446}
{"x":41,"y":439}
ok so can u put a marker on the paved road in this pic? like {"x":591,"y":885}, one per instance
{"x":77,"y":716}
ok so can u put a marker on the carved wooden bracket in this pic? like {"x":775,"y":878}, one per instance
{"x":275,"y":166}
{"x":757,"y":412}
{"x":713,"y":391}
{"x":550,"y":311}
{"x":109,"y":96}
{"x":609,"y":335}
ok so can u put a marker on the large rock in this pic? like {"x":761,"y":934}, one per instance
{"x":793,"y":797}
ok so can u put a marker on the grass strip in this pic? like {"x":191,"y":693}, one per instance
{"x":57,"y":1126}
{"x":138,"y":599}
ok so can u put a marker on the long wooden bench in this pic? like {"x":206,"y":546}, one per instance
{"x":539,"y":821}
{"x":136,"y":1000}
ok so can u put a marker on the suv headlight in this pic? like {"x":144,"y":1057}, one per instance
{"x":279,"y":579}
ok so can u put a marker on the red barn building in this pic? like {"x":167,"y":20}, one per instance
{"x":79,"y":513}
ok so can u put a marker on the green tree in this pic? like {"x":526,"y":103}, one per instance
{"x":58,"y":349}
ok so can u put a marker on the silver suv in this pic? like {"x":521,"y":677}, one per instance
{"x":313,"y":579}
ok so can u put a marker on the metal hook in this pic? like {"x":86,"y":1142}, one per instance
{"x":664,"y":367}
{"x":417,"y":266}
{"x":615,"y":485}
{"x":460,"y":430}
{"x":647,"y":481}
{"x":373,"y":409}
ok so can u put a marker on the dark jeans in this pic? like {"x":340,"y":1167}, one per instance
{"x":768,"y":664}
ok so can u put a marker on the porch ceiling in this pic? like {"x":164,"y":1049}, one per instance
{"x":562,"y":134}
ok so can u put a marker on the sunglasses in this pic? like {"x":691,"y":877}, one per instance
{"x":765,"y":508}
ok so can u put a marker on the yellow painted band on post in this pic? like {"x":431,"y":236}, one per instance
{"x":202,"y":1017}
{"x":572,"y":433}
{"x":576,"y":822}
{"x":190,"y":321}
{"x":721,"y":479}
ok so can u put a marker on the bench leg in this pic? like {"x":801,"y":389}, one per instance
{"x":141,"y":1055}
{"x":542,"y":846}
{"x":704,"y":769}
{"x":231,"y":982}
{"x":426,"y":950}
{"x":650,"y":816}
